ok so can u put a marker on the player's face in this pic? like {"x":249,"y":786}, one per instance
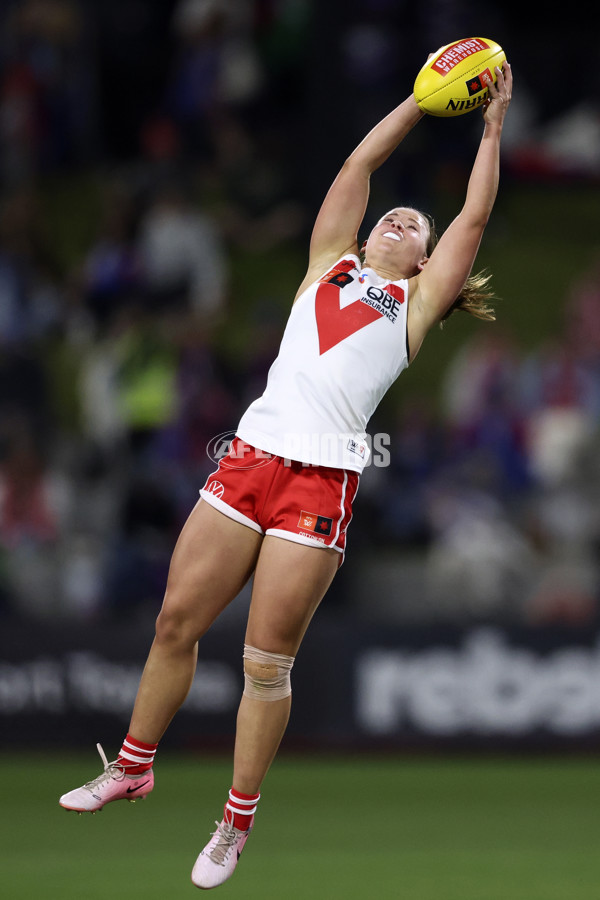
{"x":400,"y":237}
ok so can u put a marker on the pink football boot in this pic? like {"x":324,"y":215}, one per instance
{"x":113,"y":784}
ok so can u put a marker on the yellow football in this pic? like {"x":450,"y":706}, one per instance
{"x":454,"y":80}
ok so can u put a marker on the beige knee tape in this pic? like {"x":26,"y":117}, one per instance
{"x":266,"y":675}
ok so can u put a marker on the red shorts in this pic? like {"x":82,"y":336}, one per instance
{"x":308,"y":504}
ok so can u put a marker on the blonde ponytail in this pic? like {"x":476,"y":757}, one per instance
{"x":474,"y":299}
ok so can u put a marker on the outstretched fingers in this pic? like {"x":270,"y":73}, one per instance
{"x":500,"y":94}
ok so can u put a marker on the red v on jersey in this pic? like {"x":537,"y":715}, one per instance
{"x":334,"y":324}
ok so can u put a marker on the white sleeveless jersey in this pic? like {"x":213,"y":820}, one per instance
{"x":344,"y":344}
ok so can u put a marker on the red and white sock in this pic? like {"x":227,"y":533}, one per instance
{"x":136,"y":756}
{"x":242,"y":807}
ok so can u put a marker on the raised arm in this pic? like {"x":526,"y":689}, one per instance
{"x":336,"y":227}
{"x":439,"y":284}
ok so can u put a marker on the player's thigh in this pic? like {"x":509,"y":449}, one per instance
{"x":289,"y":583}
{"x":213,"y":559}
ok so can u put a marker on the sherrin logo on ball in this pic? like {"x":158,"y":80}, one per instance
{"x":454,"y":80}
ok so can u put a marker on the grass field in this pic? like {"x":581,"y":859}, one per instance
{"x":336,"y":829}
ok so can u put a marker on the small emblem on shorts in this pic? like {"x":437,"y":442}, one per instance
{"x":216,"y":488}
{"x":317,"y":524}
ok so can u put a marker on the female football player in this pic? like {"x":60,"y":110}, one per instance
{"x":280,"y":502}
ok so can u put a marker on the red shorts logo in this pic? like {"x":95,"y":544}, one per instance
{"x":216,"y":488}
{"x":317,"y":524}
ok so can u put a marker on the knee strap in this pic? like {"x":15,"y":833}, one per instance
{"x":266,"y":675}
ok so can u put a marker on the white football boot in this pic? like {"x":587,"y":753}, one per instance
{"x":219,"y":858}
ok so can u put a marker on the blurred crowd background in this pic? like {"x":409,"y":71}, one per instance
{"x":161,"y":164}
